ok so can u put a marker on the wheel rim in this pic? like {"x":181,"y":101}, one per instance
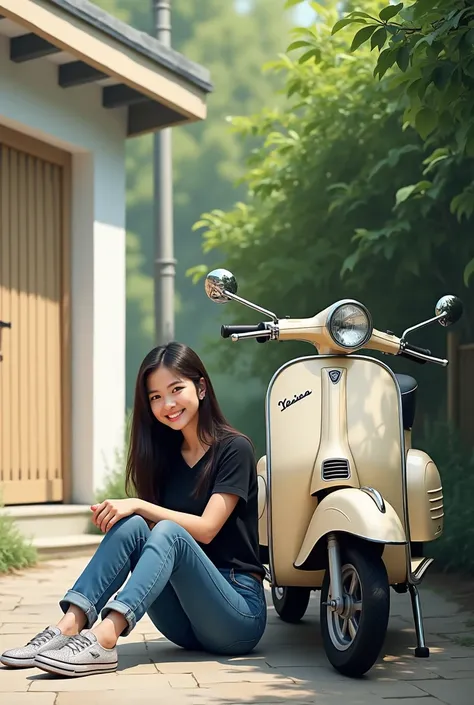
{"x":344,"y":627}
{"x":280,"y":592}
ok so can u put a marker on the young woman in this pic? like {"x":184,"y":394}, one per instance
{"x":189,"y":540}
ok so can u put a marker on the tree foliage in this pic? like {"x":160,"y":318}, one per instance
{"x":430,"y":45}
{"x":328,"y":213}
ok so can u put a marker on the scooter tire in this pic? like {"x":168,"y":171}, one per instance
{"x":291,"y":603}
{"x":355,"y":659}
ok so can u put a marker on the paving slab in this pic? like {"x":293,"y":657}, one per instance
{"x":31,"y":699}
{"x":450,"y":692}
{"x":288,"y":666}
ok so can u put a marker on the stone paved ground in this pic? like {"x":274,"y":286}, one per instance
{"x":289,"y":665}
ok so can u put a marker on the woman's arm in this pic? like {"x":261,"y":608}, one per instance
{"x":202,"y":528}
{"x":236,"y":465}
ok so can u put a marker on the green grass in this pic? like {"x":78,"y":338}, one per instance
{"x":464,"y":640}
{"x":15,"y":551}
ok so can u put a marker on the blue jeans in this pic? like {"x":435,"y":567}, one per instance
{"x":190,"y":601}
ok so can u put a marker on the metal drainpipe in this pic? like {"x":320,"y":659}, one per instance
{"x":163,"y":204}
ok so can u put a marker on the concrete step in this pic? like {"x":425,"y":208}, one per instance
{"x":50,"y":520}
{"x":67,"y":546}
{"x":56,"y":530}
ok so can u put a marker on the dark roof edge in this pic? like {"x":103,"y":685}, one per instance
{"x":140,"y":41}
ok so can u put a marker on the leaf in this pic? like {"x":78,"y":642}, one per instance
{"x":378,"y":38}
{"x":292,"y":3}
{"x":298,"y":44}
{"x":440,"y":152}
{"x":438,"y":156}
{"x":312,"y":53}
{"x":416,"y":89}
{"x":294,"y":88}
{"x":385,"y":61}
{"x":340,"y":24}
{"x":350,"y":262}
{"x":442,"y":74}
{"x":395,"y":154}
{"x":404,"y":193}
{"x":197,"y":272}
{"x":463,"y":204}
{"x":388,"y":12}
{"x":357,"y":13}
{"x":403,"y":58}
{"x":468,"y":272}
{"x":200,"y":224}
{"x":423,"y":7}
{"x":398,"y":37}
{"x":362,"y":36}
{"x":426,"y":121}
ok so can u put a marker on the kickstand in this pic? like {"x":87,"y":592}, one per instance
{"x":421,"y":651}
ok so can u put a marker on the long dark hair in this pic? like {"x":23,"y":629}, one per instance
{"x":153,"y":444}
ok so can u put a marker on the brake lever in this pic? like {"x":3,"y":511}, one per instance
{"x":254,"y":334}
{"x":429,"y":358}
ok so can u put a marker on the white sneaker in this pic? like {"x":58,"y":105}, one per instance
{"x":24,"y":656}
{"x":81,"y":656}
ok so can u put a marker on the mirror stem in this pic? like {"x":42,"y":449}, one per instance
{"x":234,"y":297}
{"x":422,"y":325}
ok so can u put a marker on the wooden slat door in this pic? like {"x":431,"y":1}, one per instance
{"x":32,"y":365}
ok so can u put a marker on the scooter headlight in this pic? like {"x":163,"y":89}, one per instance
{"x":349,"y":324}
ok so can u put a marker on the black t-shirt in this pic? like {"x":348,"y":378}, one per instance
{"x":234,"y":472}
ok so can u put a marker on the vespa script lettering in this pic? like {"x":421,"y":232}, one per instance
{"x":286,"y":403}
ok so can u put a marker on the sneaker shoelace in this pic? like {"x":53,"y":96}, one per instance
{"x":79,"y":643}
{"x":42,"y":638}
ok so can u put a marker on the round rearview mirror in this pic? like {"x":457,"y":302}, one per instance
{"x":217,"y":283}
{"x":450,"y":309}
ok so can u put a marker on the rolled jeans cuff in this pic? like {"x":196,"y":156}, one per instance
{"x":75,"y":598}
{"x":125,"y":611}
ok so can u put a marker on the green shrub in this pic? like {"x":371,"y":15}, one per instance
{"x":114,"y":486}
{"x":454,"y":550}
{"x":15,"y":550}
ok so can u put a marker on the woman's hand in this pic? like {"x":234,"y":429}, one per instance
{"x":110,"y":511}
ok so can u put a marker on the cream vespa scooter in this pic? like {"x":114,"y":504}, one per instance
{"x":345,"y":502}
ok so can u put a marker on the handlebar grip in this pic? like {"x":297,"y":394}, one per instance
{"x":415,"y":348}
{"x":227,"y":331}
{"x":406,"y":354}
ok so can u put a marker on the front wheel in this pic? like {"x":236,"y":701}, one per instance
{"x":353,"y":640}
{"x":291,"y":602}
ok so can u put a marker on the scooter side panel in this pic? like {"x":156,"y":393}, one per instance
{"x":366,"y":432}
{"x":425,"y":495}
{"x":293,"y":435}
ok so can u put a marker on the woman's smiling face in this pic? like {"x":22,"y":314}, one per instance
{"x":174,"y":399}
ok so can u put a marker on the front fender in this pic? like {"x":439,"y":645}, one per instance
{"x":351,"y":511}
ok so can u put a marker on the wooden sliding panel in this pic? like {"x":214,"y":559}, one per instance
{"x":34,"y":369}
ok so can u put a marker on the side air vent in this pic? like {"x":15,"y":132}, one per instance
{"x":335,"y":469}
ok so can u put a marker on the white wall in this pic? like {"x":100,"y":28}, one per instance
{"x":73,"y":119}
